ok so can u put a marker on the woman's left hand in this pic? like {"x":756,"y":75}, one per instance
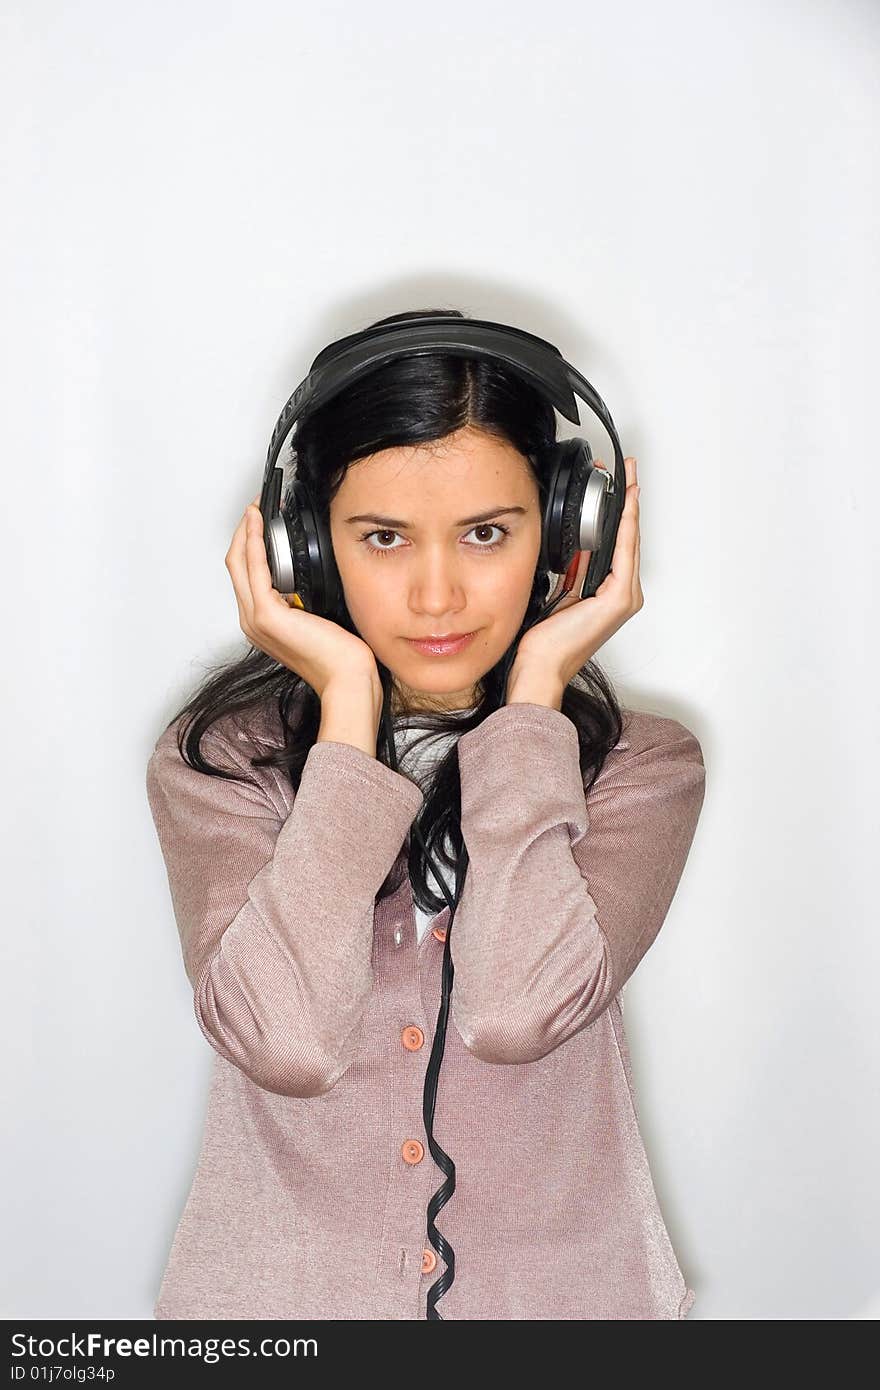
{"x":563,"y":642}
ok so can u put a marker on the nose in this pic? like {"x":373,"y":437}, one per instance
{"x":436,"y":587}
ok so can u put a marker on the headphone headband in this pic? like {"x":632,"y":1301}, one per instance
{"x":348,"y":359}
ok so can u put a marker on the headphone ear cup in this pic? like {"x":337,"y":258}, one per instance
{"x":316,"y":578}
{"x":582,"y":512}
{"x":568,"y":465}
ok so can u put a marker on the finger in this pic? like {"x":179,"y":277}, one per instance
{"x":259,"y":574}
{"x":637,"y":560}
{"x":623,"y":557}
{"x":636,"y":528}
{"x":236,"y":563}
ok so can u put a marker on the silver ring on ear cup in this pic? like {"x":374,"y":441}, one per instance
{"x":280,"y":556}
{"x":571,"y":510}
{"x":594,"y":511}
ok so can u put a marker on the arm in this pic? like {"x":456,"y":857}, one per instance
{"x":275,"y":910}
{"x":564,"y":892}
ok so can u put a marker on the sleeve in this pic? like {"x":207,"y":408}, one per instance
{"x":564,"y":891}
{"x":275,"y":910}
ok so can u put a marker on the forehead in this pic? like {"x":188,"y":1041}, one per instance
{"x":469,"y":463}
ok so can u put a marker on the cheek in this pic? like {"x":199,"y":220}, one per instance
{"x":510,"y":583}
{"x":373,"y":598}
{"x":359,"y":579}
{"x":367,"y":604}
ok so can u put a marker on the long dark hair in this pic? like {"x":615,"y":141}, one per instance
{"x":409,"y":400}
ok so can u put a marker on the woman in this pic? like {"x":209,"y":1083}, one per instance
{"x":312,"y":928}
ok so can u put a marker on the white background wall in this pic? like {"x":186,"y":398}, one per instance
{"x":198,"y":196}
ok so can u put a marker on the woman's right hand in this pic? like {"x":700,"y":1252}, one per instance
{"x":317,"y":649}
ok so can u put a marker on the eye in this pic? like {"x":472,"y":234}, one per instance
{"x":479,"y":545}
{"x":492,"y":526}
{"x":378,"y":549}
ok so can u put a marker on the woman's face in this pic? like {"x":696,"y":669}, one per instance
{"x":413,"y":563}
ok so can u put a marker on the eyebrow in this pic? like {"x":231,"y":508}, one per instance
{"x":394,"y":523}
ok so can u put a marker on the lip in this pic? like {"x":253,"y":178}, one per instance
{"x":441,"y":646}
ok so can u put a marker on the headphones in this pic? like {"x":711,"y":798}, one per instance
{"x":582,"y":511}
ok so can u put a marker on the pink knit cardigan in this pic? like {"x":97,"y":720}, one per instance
{"x":310,"y":1190}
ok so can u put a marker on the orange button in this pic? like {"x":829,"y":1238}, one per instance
{"x":440,"y":933}
{"x":429,"y":1261}
{"x":412,"y":1151}
{"x":412,"y":1038}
